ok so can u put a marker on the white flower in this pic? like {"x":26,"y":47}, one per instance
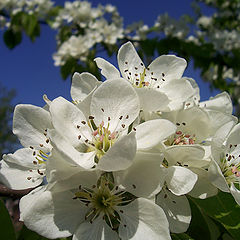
{"x":26,"y":167}
{"x":224,"y":171}
{"x":159,"y":86}
{"x":93,"y":206}
{"x":102,"y":138}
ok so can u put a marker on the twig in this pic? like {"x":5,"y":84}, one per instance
{"x":15,"y":194}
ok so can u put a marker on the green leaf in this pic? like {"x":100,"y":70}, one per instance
{"x":27,"y":234}
{"x":198,"y":228}
{"x":181,"y":236}
{"x":12,"y":38}
{"x":223,"y":209}
{"x":7,"y":230}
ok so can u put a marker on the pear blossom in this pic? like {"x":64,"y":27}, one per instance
{"x":26,"y":167}
{"x":95,"y":205}
{"x":159,"y":86}
{"x":224,"y":171}
{"x":104,"y":138}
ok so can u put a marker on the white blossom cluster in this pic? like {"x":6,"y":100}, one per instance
{"x":12,"y":7}
{"x":119,"y":160}
{"x":102,"y":24}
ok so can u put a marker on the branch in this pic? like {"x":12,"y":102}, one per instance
{"x":15,"y":194}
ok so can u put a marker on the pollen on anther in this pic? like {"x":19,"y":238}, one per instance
{"x":41,"y":145}
{"x":127,"y":116}
{"x":79,"y":136}
{"x":83,"y":122}
{"x":78,"y":126}
{"x":91,"y":117}
{"x":109,"y":118}
{"x":120,"y":117}
{"x":123,"y":125}
{"x":47,"y":140}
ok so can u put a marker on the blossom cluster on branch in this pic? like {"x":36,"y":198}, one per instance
{"x":119,"y":161}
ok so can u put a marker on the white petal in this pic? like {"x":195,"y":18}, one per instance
{"x":236,"y":193}
{"x":194,"y":121}
{"x":171,"y":66}
{"x":218,"y":119}
{"x":219,"y":138}
{"x":98,"y":230}
{"x":178,"y":91}
{"x":18,"y":177}
{"x":152,"y":100}
{"x":30,"y":123}
{"x":52,"y":215}
{"x":84,"y":105}
{"x":180,"y":180}
{"x":177,"y":210}
{"x":203,"y":187}
{"x":221,"y":102}
{"x":107,"y":69}
{"x":129,"y":61}
{"x":82,"y":85}
{"x":141,"y":220}
{"x":86,"y":179}
{"x":190,"y":155}
{"x":216,"y":177}
{"x":66,"y":117}
{"x":150,"y":133}
{"x":120,"y":156}
{"x":233,"y":138}
{"x":142,"y":178}
{"x":115,"y":102}
{"x":69,"y":153}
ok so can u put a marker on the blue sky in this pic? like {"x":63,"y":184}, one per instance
{"x":29,"y":67}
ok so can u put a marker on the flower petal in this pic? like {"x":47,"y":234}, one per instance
{"x":203,"y":187}
{"x":30,"y":123}
{"x":55,"y":215}
{"x":180,"y":180}
{"x":216,"y":177}
{"x":178,"y":91}
{"x":190,"y":155}
{"x":82,"y":85}
{"x":98,"y":230}
{"x":221,"y":102}
{"x":107,"y":69}
{"x":152,"y":132}
{"x":169,"y":66}
{"x":235,"y":193}
{"x":142,"y":178}
{"x":18,"y":177}
{"x":120,"y":156}
{"x":152,"y":100}
{"x":67,"y":119}
{"x":129,"y":61}
{"x":69,"y":153}
{"x":177,"y":210}
{"x":115,"y":102}
{"x":141,"y":220}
